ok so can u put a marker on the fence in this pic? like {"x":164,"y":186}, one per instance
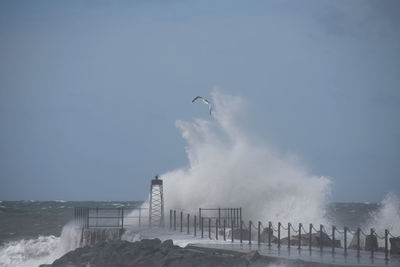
{"x":110,"y":217}
{"x":204,"y":226}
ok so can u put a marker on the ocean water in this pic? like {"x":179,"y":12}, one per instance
{"x":36,"y":232}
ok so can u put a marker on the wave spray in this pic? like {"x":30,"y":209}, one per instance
{"x":227,"y":168}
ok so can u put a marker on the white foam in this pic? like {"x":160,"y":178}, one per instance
{"x":41,"y":250}
{"x":228,"y":168}
{"x":386,"y":217}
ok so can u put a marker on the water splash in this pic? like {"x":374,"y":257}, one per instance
{"x":44,"y":249}
{"x":386,"y":217}
{"x":227,"y":168}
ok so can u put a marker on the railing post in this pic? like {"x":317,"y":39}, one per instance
{"x":299,"y":247}
{"x":234,"y":217}
{"x":188,"y":223}
{"x":232,"y":230}
{"x":202,"y":227}
{"x":174,"y":220}
{"x":199,"y":215}
{"x":269,"y":233}
{"x":209,"y":228}
{"x":140,"y":217}
{"x":358,"y":242}
{"x":320,"y":236}
{"x":345,"y":240}
{"x":216,"y":229}
{"x":386,"y":245}
{"x":181,"y":221}
{"x":195,"y":226}
{"x":240,"y":210}
{"x":249,"y":232}
{"x":219,"y":214}
{"x":310,"y":237}
{"x":170,"y":219}
{"x":259,"y":233}
{"x":288,"y":230}
{"x":372,"y":243}
{"x":224,"y":230}
{"x":241,"y":232}
{"x":333,"y":239}
{"x":122,"y":221}
{"x":279,"y":234}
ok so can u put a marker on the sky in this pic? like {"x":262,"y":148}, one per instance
{"x":90,"y":90}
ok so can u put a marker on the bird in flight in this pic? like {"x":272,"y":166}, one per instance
{"x":205,"y":101}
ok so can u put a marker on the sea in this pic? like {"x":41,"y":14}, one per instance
{"x":36,"y":232}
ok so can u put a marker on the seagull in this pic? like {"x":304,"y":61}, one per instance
{"x":205,"y":101}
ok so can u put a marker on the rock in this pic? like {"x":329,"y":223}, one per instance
{"x":315,"y":240}
{"x":151,"y":252}
{"x":394,"y":245}
{"x":371,"y":242}
{"x":264,"y":236}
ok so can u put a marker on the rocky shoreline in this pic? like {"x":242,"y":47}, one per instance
{"x":153,"y":252}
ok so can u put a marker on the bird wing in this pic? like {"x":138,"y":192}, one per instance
{"x":210,"y":107}
{"x":197,"y":97}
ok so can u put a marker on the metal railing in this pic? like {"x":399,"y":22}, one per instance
{"x":110,"y":217}
{"x":215,"y":227}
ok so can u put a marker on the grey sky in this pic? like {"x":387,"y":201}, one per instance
{"x":90,"y":90}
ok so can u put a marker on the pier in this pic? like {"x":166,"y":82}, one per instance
{"x":224,"y":228}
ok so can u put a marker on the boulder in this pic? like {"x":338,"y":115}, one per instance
{"x":315,"y":240}
{"x":394,"y":245}
{"x":264,"y":236}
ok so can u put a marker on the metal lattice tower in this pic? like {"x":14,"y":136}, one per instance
{"x":156,"y":205}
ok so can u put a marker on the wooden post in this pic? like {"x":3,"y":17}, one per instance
{"x":386,"y":245}
{"x":279,"y":234}
{"x":269,"y":233}
{"x":288,"y":230}
{"x":310,"y":237}
{"x":224,"y":230}
{"x":345,"y":240}
{"x":219,"y":214}
{"x":333,"y":239}
{"x":299,"y":246}
{"x":259,"y":233}
{"x":320,"y":237}
{"x":188,"y":223}
{"x":250,"y":233}
{"x":209,"y":228}
{"x":358,"y":242}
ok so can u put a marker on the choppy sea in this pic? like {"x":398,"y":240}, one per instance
{"x":35,"y":232}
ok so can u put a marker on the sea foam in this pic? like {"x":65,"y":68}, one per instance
{"x":44,"y":249}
